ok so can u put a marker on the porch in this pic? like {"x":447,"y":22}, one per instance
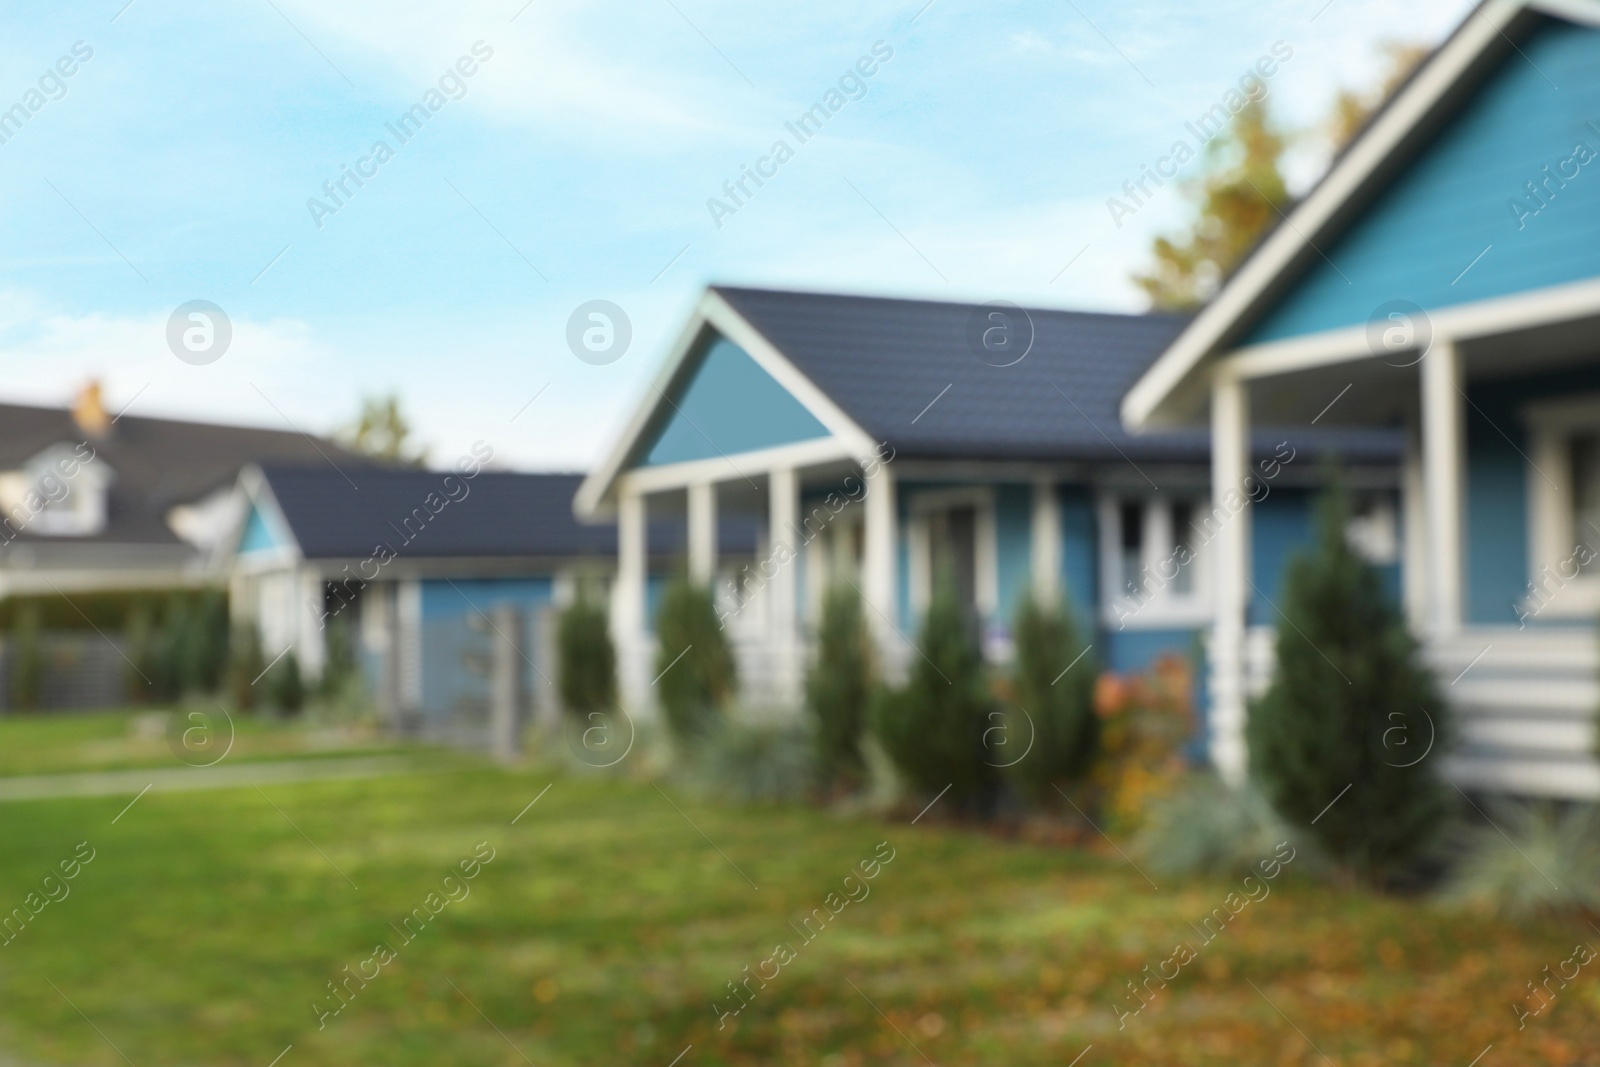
{"x":1501,"y":404}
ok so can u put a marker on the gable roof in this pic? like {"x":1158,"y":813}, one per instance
{"x":885,"y":361}
{"x":158,"y":464}
{"x":500,"y":513}
{"x":1173,"y":390}
{"x":904,"y":372}
{"x":496,"y":514}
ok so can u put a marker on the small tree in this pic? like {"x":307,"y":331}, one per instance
{"x":1348,"y":691}
{"x":588,"y":673}
{"x":339,"y":660}
{"x":25,"y":658}
{"x":143,"y":653}
{"x":1054,"y":683}
{"x":1237,"y":196}
{"x":383,"y":432}
{"x":285,"y":685}
{"x":245,"y":664}
{"x":692,"y":689}
{"x":839,"y":687}
{"x":934,"y":728}
{"x":211,"y":640}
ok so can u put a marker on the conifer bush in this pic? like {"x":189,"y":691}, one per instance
{"x":25,"y":659}
{"x":1350,"y":705}
{"x":1059,"y":701}
{"x":339,"y":660}
{"x":933,"y":728}
{"x":588,"y":672}
{"x":839,"y":688}
{"x":693,"y":690}
{"x":285,"y":685}
{"x":245,"y":664}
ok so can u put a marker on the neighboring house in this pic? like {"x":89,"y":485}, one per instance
{"x":1443,"y":279}
{"x":92,"y":502}
{"x":884,"y":442}
{"x":434,"y":573}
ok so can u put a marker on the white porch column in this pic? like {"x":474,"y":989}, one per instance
{"x":703,"y":531}
{"x":879,"y":564}
{"x":783,"y":513}
{"x":1046,"y":541}
{"x":627,"y":596}
{"x":1230,"y":462}
{"x":1414,"y":562}
{"x":1443,"y":430}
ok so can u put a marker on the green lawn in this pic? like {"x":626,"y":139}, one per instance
{"x":206,"y":927}
{"x":44,"y":743}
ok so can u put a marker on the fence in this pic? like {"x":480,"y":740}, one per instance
{"x":76,"y":670}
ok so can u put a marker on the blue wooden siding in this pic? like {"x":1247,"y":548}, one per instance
{"x":1080,"y":568}
{"x":655,"y":585}
{"x":1496,"y":524}
{"x":735,"y":403}
{"x":258,"y":536}
{"x":457,"y":647}
{"x":1126,"y":651}
{"x":1282,"y":527}
{"x":1013,"y":522}
{"x":1454,"y":201}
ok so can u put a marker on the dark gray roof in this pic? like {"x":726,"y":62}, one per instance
{"x":157,"y":463}
{"x":884,"y":361}
{"x":501,"y":515}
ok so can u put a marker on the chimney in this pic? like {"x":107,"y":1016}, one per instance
{"x":89,"y":412}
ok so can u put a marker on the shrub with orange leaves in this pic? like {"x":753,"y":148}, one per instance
{"x":1145,"y":720}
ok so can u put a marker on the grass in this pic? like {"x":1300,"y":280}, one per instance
{"x":607,"y":922}
{"x":53,"y":743}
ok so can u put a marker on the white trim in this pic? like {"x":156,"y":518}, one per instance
{"x":1149,"y":403}
{"x":1413,"y":565}
{"x":1553,"y":539}
{"x":1045,"y":541}
{"x":1584,"y":12}
{"x":880,"y":566}
{"x":408,"y":605}
{"x":1461,"y":322}
{"x":703,"y":531}
{"x":595,"y":496}
{"x":1160,"y":608}
{"x":750,"y":464}
{"x":1444,"y":481}
{"x":1230,"y":466}
{"x":733,"y":326}
{"x":260,"y":498}
{"x":920,"y":504}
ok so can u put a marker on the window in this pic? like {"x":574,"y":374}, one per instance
{"x":58,"y":492}
{"x":1563,"y":479}
{"x":1152,"y":561}
{"x":951,"y":533}
{"x":1183,"y":546}
{"x":1373,"y":528}
{"x":1585,"y":495}
{"x":953,"y":551}
{"x":1130,"y":561}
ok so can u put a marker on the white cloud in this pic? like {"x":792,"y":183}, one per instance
{"x":47,"y":355}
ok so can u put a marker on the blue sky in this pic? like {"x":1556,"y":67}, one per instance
{"x":576,"y":165}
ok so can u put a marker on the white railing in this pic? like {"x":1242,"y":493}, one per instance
{"x":1524,"y":705}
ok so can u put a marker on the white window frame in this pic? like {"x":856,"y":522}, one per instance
{"x":1552,"y":540}
{"x":986,"y":551}
{"x":1162,"y":607}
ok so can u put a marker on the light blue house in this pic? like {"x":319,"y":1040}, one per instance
{"x":881,"y":442}
{"x":1443,"y":280}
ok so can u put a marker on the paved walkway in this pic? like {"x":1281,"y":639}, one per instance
{"x":222,"y":776}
